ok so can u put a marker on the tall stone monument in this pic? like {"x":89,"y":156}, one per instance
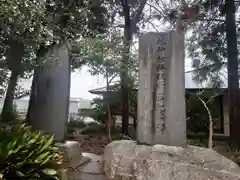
{"x":49,"y":111}
{"x":161,"y":92}
{"x":160,"y":152}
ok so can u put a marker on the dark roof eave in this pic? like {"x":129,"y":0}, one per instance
{"x":187,"y":89}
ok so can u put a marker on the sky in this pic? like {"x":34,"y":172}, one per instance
{"x":82,"y":81}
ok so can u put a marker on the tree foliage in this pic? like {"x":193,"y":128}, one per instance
{"x":41,"y":23}
{"x":29,"y":28}
{"x":205,"y":36}
{"x":207,"y":45}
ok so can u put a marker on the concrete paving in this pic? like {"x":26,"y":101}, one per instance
{"x":91,"y":170}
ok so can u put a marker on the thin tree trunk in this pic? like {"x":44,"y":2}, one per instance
{"x":210,"y":137}
{"x":135,"y":121}
{"x":32,"y":98}
{"x":124,"y":69}
{"x":7,"y":110}
{"x":14,"y":56}
{"x":130,"y":20}
{"x":109,"y":121}
{"x":233,"y":81}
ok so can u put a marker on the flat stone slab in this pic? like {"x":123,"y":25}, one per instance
{"x":129,"y":161}
{"x":92,"y":170}
{"x":86,"y":176}
{"x":95,"y":166}
{"x":78,"y":163}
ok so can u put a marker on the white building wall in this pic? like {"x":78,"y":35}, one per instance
{"x":22,"y":105}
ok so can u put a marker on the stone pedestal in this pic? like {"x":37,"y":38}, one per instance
{"x":161,"y":91}
{"x":72,"y":155}
{"x":129,"y":161}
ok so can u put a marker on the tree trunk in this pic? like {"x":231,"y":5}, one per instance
{"x":124,"y":69}
{"x":135,"y":121}
{"x":109,"y":118}
{"x":233,"y":81}
{"x":32,"y":97}
{"x":14,"y":56}
{"x":49,"y":104}
{"x":7,"y":111}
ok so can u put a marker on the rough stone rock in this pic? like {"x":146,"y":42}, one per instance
{"x":129,"y":161}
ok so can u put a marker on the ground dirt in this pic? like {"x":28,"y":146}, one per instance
{"x":94,"y":143}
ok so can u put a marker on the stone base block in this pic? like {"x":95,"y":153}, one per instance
{"x":72,"y":155}
{"x":63,"y":174}
{"x":71,"y":149}
{"x":129,"y":161}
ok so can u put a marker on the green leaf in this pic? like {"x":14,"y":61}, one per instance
{"x":50,"y":172}
{"x":42,"y":157}
{"x":47,"y":144}
{"x":24,"y":152}
{"x":19,"y":173}
{"x":48,"y":158}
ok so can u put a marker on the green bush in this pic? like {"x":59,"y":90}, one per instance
{"x":10,"y":114}
{"x":76,"y":124}
{"x":26,"y":154}
{"x":93,"y":128}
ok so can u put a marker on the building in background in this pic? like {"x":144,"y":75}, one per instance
{"x":75,"y":105}
{"x":221,"y":125}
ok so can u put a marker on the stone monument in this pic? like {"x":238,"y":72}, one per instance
{"x":161,"y":152}
{"x":161,"y":92}
{"x":49,"y":109}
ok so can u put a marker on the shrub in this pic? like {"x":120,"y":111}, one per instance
{"x":15,"y":113}
{"x":10,"y":114}
{"x":93,"y":128}
{"x":26,"y":154}
{"x":76,"y":124}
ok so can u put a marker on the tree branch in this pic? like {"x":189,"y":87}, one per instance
{"x":137,"y":15}
{"x":110,"y":81}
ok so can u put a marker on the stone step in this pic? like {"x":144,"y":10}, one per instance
{"x":94,"y":166}
{"x":92,"y":170}
{"x":76,"y":163}
{"x":85,"y":176}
